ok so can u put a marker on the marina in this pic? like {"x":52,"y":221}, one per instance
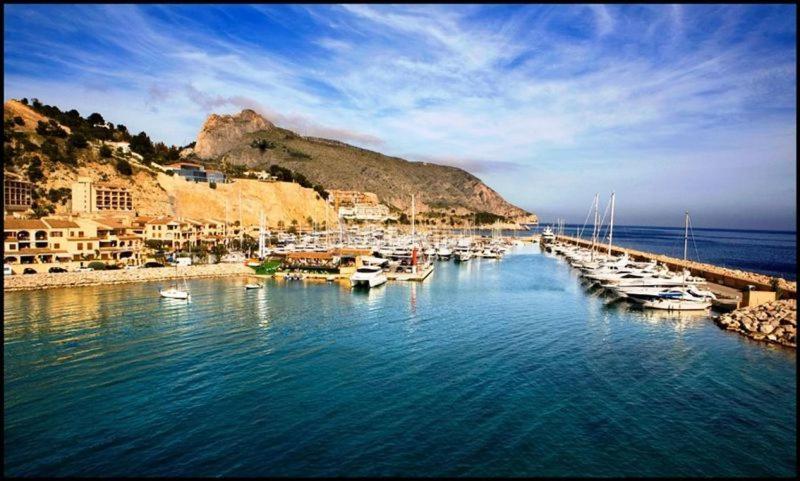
{"x":345,"y":241}
{"x":507,"y":367}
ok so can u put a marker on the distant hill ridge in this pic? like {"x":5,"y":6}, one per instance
{"x":248,"y":139}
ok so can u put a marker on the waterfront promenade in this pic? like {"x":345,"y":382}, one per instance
{"x":121,"y":276}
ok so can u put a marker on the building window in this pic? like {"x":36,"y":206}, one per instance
{"x":55,"y":233}
{"x":88,"y":245}
{"x":56,"y":246}
{"x":80,"y":246}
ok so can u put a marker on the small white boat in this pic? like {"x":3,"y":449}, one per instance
{"x":174,"y":293}
{"x":368,"y":276}
{"x":253,"y":286}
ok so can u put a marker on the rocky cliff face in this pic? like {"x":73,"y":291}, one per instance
{"x":336,"y":165}
{"x":220,"y":133}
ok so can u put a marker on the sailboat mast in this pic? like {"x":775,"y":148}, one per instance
{"x":594,"y":230}
{"x":241,"y":223}
{"x":226,"y":222}
{"x":611,"y":226}
{"x":413,"y":225}
{"x":686,"y":235}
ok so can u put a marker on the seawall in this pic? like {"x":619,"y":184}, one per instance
{"x":122,"y":276}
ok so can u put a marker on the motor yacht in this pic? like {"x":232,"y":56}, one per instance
{"x":368,"y":276}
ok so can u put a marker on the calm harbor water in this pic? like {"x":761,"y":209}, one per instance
{"x":492,"y":368}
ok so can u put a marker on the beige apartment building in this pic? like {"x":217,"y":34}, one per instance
{"x":88,"y":197}
{"x":17,"y":194}
{"x":69,"y":243}
{"x":351,"y":197}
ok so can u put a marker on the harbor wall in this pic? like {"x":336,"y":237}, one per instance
{"x":122,"y":276}
{"x":739,"y":280}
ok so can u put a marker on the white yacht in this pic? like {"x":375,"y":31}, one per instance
{"x":463,"y":250}
{"x":548,"y":235}
{"x":173,"y":292}
{"x":673,"y":299}
{"x":368,"y":276}
{"x":443,"y":252}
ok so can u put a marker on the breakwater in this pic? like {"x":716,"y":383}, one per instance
{"x":734,"y":278}
{"x":122,"y":276}
{"x":772,"y":322}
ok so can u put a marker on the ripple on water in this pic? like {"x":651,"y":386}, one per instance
{"x":490,"y":368}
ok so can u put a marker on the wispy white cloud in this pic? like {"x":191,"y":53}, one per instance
{"x":561,"y":90}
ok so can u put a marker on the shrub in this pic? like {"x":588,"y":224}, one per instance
{"x":297,"y":154}
{"x":96,"y":265}
{"x":124,"y":167}
{"x":35,"y":173}
{"x":213,"y":185}
{"x":105,"y":151}
{"x":19,"y":120}
{"x":77,"y":140}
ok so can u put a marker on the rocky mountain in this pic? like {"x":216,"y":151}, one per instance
{"x":248,"y":139}
{"x":220,"y":133}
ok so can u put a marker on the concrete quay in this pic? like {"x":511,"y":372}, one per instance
{"x":122,"y":276}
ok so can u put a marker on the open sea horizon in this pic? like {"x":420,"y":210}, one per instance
{"x":769,"y":252}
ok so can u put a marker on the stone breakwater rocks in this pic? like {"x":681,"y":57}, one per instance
{"x":772,"y":322}
{"x":122,"y":276}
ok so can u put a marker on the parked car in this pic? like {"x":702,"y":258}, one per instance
{"x":83,"y":269}
{"x":183,"y":261}
{"x":29,"y":270}
{"x":7,"y":270}
{"x":153,"y":264}
{"x":131,"y":267}
{"x":56,"y":269}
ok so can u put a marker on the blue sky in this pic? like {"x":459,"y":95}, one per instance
{"x":673,"y":107}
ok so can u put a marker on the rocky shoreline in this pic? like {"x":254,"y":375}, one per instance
{"x":774,"y":322}
{"x":96,"y":278}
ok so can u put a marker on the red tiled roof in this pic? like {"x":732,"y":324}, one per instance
{"x":60,"y":223}
{"x":12,"y":223}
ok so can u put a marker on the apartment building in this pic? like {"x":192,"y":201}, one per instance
{"x":351,"y":197}
{"x":44,"y":243}
{"x":195,"y":172}
{"x":368,"y":212}
{"x":88,"y":197}
{"x":17,"y":193}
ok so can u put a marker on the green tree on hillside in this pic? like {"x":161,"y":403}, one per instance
{"x":95,"y":119}
{"x":35,"y":173}
{"x":77,"y":140}
{"x":142,"y":145}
